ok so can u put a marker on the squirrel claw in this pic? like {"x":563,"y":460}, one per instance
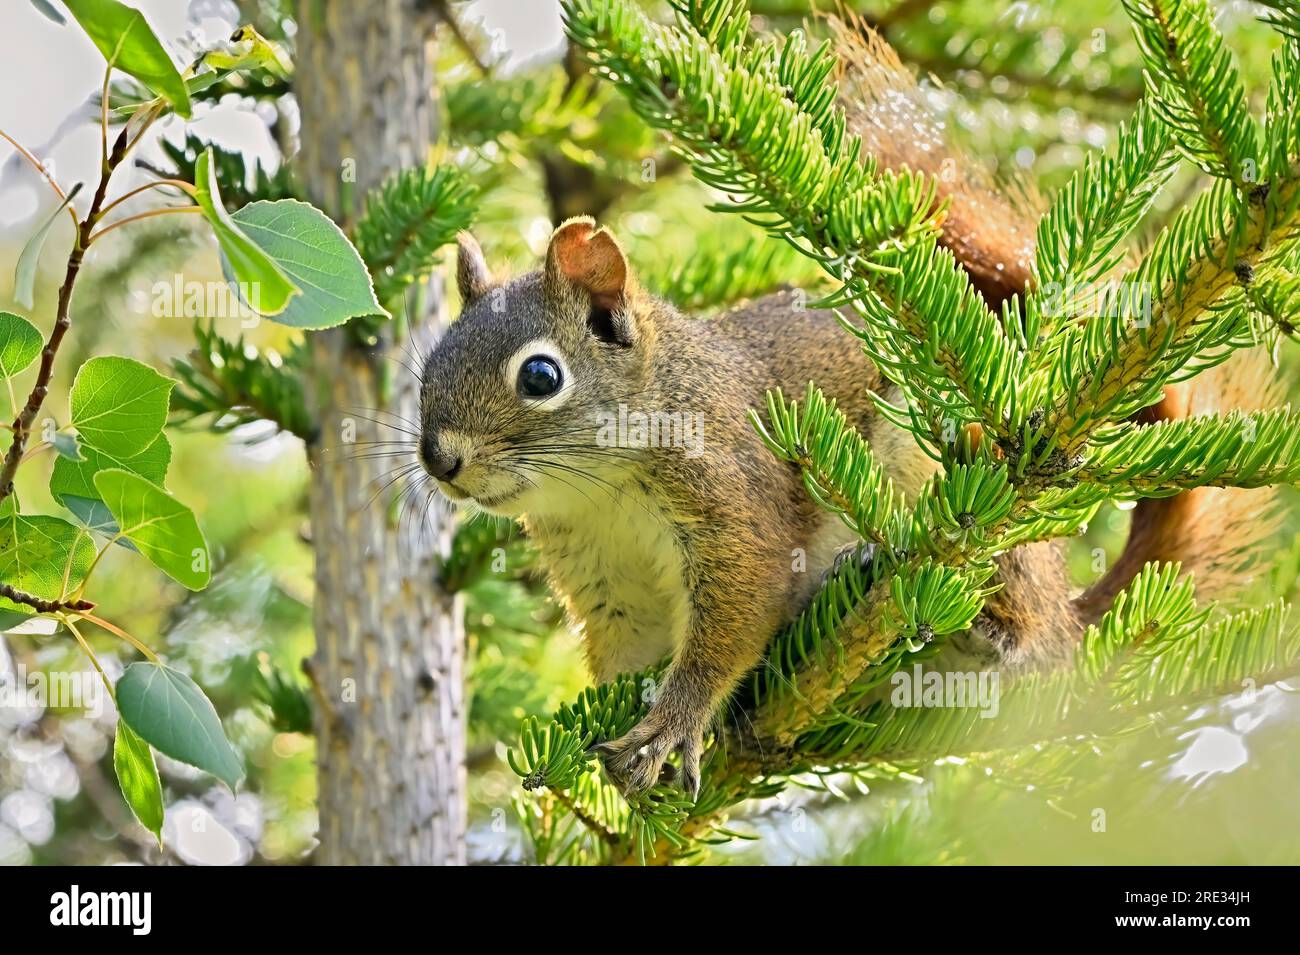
{"x":637,"y":761}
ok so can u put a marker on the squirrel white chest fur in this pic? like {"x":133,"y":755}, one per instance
{"x":618,"y":562}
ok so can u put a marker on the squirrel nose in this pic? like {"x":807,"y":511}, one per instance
{"x":443,"y":463}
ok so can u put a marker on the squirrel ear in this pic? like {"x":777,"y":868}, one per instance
{"x":472,"y":276}
{"x":590,"y":258}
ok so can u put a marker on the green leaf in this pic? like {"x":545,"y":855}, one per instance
{"x":77,"y":478}
{"x":162,"y":527}
{"x":38,"y":552}
{"x":12,"y":618}
{"x":170,"y":712}
{"x":95,"y":516}
{"x":30,"y":257}
{"x":67,"y":446}
{"x":137,"y":775}
{"x":317,"y":257}
{"x":20,"y":343}
{"x":128,"y":44}
{"x":47,"y":10}
{"x":262,"y":283}
{"x":119,"y":405}
{"x":72,"y":484}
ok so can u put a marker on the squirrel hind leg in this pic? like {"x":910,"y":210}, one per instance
{"x":1031,"y":622}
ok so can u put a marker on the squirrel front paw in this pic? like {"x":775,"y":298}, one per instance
{"x":861,"y":553}
{"x":635,"y":762}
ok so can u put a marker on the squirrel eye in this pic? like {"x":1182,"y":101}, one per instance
{"x":539,"y":377}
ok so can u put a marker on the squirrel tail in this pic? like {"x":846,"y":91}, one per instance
{"x":1215,"y":533}
{"x":990,"y":222}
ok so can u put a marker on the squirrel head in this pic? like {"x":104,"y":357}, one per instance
{"x":510,"y":394}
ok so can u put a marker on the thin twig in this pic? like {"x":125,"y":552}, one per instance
{"x":22,"y":425}
{"x":41,"y":605}
{"x":601,"y":830}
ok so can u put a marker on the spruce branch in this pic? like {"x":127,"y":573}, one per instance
{"x":839,"y":469}
{"x":526,"y":108}
{"x":1194,"y":87}
{"x":849,"y":640}
{"x":234,"y":172}
{"x":476,"y":545}
{"x":1178,"y":311}
{"x":1281,"y":129}
{"x":237,"y":384}
{"x":1156,"y":604}
{"x":1154,"y":651}
{"x":1232,"y":450}
{"x":1274,"y":298}
{"x":1218,"y":657}
{"x":764,"y":127}
{"x":1283,"y":16}
{"x":731,"y":266}
{"x":407,"y":220}
{"x":1079,"y":239}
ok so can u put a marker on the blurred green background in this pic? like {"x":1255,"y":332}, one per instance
{"x":1028,"y":87}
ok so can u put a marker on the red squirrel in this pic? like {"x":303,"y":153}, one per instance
{"x":685,"y":550}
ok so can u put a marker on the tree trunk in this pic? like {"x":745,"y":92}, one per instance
{"x":388,"y":664}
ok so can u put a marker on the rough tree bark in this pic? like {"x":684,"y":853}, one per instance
{"x":388,"y":665}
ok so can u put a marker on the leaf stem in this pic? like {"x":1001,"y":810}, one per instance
{"x":177,"y":183}
{"x":41,"y":169}
{"x":118,"y":631}
{"x":94,"y":660}
{"x":103,"y":115}
{"x":145,"y":123}
{"x":44,"y":445}
{"x":85,"y":579}
{"x":170,"y":210}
